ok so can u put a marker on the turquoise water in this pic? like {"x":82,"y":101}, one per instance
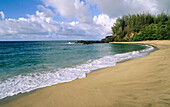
{"x":25,"y":66}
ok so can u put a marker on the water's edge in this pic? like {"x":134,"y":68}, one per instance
{"x":124,"y":57}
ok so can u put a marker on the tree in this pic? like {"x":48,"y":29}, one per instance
{"x":142,"y":27}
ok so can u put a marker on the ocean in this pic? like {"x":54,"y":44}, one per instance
{"x":29,"y":65}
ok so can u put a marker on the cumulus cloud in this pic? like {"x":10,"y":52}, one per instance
{"x":70,"y":9}
{"x":2,"y":15}
{"x":105,"y":21}
{"x":42,"y":26}
{"x":115,"y":8}
{"x":34,"y":24}
{"x":46,"y":11}
{"x":64,"y":7}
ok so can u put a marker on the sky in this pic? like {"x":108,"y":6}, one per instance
{"x":23,"y":20}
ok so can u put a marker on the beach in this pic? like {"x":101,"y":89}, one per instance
{"x":138,"y":82}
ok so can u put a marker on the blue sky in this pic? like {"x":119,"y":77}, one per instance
{"x":67,"y":19}
{"x":18,"y":8}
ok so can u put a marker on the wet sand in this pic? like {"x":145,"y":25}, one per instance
{"x":142,"y":82}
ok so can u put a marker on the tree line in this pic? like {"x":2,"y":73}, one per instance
{"x":138,"y":27}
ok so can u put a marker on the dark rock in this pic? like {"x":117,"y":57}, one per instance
{"x":105,"y":40}
{"x":108,"y":39}
{"x":88,"y":42}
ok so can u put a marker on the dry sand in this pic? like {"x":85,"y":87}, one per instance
{"x":135,"y":83}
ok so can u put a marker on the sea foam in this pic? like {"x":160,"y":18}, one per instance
{"x":71,"y":43}
{"x":32,"y":81}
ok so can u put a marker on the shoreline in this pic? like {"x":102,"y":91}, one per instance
{"x":106,"y":87}
{"x":79,"y":71}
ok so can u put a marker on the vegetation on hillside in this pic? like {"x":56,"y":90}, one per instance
{"x":139,"y":27}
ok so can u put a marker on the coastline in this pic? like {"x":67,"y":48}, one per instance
{"x":145,"y":84}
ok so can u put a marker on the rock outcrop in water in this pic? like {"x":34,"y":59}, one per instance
{"x":88,"y":42}
{"x":105,"y":40}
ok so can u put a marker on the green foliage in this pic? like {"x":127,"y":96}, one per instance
{"x":143,"y":27}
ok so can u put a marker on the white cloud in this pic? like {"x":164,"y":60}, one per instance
{"x":46,"y":11}
{"x":116,"y":8}
{"x":37,"y":24}
{"x":41,"y":26}
{"x":70,"y":9}
{"x":2,"y":15}
{"x":74,"y":23}
{"x":64,"y":7}
{"x":105,"y":21}
{"x":163,"y":5}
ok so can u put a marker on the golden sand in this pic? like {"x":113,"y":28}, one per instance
{"x":135,"y":83}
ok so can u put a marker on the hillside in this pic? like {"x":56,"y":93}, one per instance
{"x":138,"y":27}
